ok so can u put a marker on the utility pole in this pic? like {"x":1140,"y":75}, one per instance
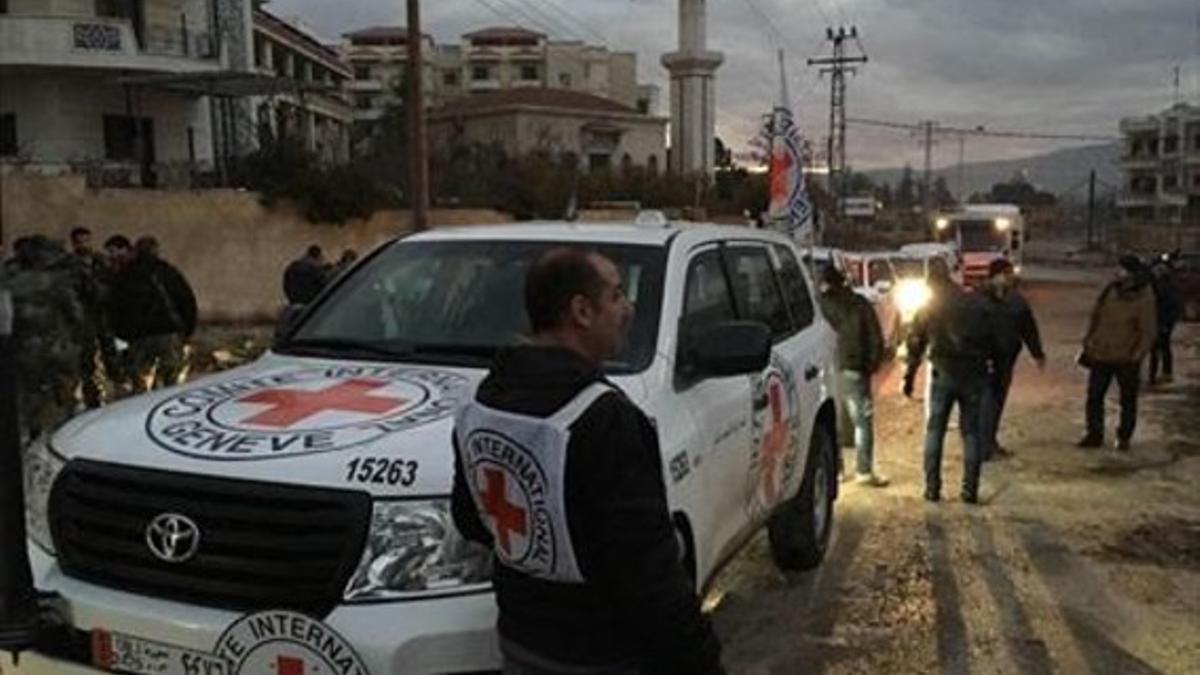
{"x":836,"y":67}
{"x":927,"y":131}
{"x":1091,"y":217}
{"x":418,"y":141}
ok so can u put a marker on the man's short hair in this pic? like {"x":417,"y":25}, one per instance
{"x":79,"y":231}
{"x":999,"y":266}
{"x":313,"y":251}
{"x":554,"y":279}
{"x":117,"y":241}
{"x":833,"y":276}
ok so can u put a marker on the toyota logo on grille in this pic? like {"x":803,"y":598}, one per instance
{"x":173,"y":538}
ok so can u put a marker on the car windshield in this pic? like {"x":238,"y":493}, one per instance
{"x":981,"y":235}
{"x":909,"y":268}
{"x":458,"y":302}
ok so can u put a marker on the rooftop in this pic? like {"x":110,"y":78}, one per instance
{"x":504,"y":33}
{"x":562,"y":99}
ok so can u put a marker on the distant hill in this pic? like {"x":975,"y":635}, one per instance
{"x":1055,"y":172}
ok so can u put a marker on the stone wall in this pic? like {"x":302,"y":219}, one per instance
{"x":231,"y":248}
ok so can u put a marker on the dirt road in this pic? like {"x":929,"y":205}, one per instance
{"x":1077,"y":561}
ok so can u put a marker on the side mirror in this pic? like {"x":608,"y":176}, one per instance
{"x":728,"y":348}
{"x":287,"y":320}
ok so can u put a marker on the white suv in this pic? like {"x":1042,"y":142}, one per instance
{"x":291,"y":516}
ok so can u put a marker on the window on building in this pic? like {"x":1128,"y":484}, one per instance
{"x":362,"y":72}
{"x":1135,"y":148}
{"x":530,"y":74}
{"x":626,"y":163}
{"x":450,"y":78}
{"x":564,"y":81}
{"x":587,"y":71}
{"x":1196,"y":142}
{"x":1152,"y":147}
{"x":3,"y":6}
{"x":363,"y":102}
{"x":652,"y":163}
{"x":123,"y":134}
{"x":1170,"y":145}
{"x":643,"y":106}
{"x":8,"y":132}
{"x":598,"y":160}
{"x":1170,"y":181}
{"x":481,"y":73}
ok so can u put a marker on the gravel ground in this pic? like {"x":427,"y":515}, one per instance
{"x":1077,"y":561}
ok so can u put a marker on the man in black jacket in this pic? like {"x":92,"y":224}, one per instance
{"x":1166,"y":299}
{"x":1015,"y":327}
{"x":560,"y":474}
{"x":153,"y":308}
{"x":860,"y":353}
{"x":306,"y":276}
{"x":958,"y":331}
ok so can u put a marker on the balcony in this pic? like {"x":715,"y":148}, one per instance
{"x":490,"y":84}
{"x":1131,"y":199}
{"x":1135,"y":124}
{"x":94,"y":42}
{"x":1141,"y":160}
{"x":365,"y":86}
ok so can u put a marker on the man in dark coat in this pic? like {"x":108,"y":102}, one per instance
{"x":305,"y":277}
{"x":588,"y":576}
{"x":1016,"y":327}
{"x":957,"y":329}
{"x":1166,"y":297}
{"x":153,"y":308}
{"x":860,"y":354}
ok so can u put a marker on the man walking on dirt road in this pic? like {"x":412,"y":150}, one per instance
{"x":1016,"y":327}
{"x":957,"y":329}
{"x":1122,"y":331}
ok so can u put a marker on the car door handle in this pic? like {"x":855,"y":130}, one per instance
{"x":811,"y":373}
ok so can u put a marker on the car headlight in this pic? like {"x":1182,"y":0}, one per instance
{"x":41,"y":467}
{"x":911,"y":296}
{"x":413,"y":550}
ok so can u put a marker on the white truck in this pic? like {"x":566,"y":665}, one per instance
{"x":983,"y":233}
{"x":291,"y":517}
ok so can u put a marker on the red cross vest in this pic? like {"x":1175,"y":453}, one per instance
{"x":515,"y":466}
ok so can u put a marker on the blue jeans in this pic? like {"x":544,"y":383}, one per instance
{"x":857,"y":388}
{"x":995,"y":395}
{"x":946,"y":389}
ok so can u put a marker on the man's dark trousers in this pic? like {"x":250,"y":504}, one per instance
{"x":995,"y":396}
{"x":1099,"y":380}
{"x":946,"y":389}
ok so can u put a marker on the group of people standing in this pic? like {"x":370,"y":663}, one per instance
{"x":306,"y":276}
{"x":972,"y":340}
{"x":91,"y":326}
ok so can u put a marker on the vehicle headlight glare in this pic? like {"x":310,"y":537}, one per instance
{"x":41,"y":468}
{"x":943,"y":223}
{"x":1003,"y":224}
{"x":911,"y":296}
{"x":414,"y":550}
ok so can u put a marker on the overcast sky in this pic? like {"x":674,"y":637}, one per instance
{"x":1061,"y":66}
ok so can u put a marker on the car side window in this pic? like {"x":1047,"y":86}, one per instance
{"x":880,"y":271}
{"x":706,"y":299}
{"x":939,"y":264}
{"x":795,"y":288}
{"x":757,"y":290}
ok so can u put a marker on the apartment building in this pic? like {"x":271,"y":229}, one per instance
{"x":310,"y":105}
{"x":69,"y":92}
{"x":1160,"y":167}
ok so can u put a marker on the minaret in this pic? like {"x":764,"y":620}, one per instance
{"x":693,"y":92}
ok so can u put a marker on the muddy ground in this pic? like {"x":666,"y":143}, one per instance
{"x":1077,"y":561}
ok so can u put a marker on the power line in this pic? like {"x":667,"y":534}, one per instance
{"x":493,"y":10}
{"x":572,"y":18}
{"x":980,"y":131}
{"x":837,"y":66}
{"x":528,"y":18}
{"x":554,"y":24}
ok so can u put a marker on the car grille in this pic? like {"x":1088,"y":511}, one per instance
{"x":262,"y":545}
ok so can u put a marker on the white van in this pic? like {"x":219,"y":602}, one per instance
{"x":292,"y":516}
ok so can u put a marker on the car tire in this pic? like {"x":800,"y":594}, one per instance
{"x":799,"y":530}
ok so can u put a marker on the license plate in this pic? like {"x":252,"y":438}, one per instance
{"x":127,"y":654}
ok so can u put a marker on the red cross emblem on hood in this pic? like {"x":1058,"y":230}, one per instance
{"x":290,"y":406}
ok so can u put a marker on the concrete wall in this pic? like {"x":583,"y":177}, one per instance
{"x":231,"y":248}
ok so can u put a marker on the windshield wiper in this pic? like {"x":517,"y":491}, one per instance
{"x":342,"y":346}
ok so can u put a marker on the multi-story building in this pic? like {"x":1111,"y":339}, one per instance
{"x":489,"y":60}
{"x":74,"y":74}
{"x":378,"y":58}
{"x":1161,"y":167}
{"x":309,"y":107}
